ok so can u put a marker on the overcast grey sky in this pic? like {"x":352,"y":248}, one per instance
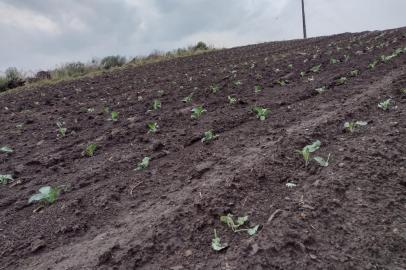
{"x":39,"y":34}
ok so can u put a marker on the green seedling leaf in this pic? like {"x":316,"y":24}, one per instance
{"x":62,"y":130}
{"x":252,"y":231}
{"x":257,"y":89}
{"x":341,"y":81}
{"x":361,"y":123}
{"x":386,"y":59}
{"x":90,"y":149}
{"x":313,"y":147}
{"x":307,"y":150}
{"x":5,"y":178}
{"x":152,"y":127}
{"x":321,"y":89}
{"x":143,"y":164}
{"x":188,"y":98}
{"x":403,"y":91}
{"x":114,"y":116}
{"x":282,"y":82}
{"x":321,"y":161}
{"x":354,"y":72}
{"x":316,"y":69}
{"x":234,"y":225}
{"x":156,"y":104}
{"x":197,"y":112}
{"x":209,"y":136}
{"x":302,"y":74}
{"x":351,"y":126}
{"x":334,"y":61}
{"x":214,"y":88}
{"x":232,"y":100}
{"x":261,"y":113}
{"x":216,"y":243}
{"x":291,"y":185}
{"x":385,"y":105}
{"x":373,"y":64}
{"x":290,"y":66}
{"x":46,"y":194}
{"x":237,"y":83}
{"x":241,"y":221}
{"x":6,"y":149}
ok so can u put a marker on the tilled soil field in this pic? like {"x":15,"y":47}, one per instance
{"x":348,"y":214}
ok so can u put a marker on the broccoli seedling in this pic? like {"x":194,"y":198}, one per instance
{"x":156,"y":104}
{"x":282,"y":82}
{"x":5,"y":178}
{"x":152,"y":127}
{"x":257,"y":89}
{"x":386,"y":59}
{"x":341,"y":81}
{"x":62,"y":130}
{"x":90,"y":149}
{"x":216,"y":243}
{"x":351,"y":126}
{"x":237,"y":83}
{"x":232,"y":100}
{"x":290,"y":66}
{"x":354,"y":72}
{"x":334,"y":61}
{"x":290,"y":185}
{"x":373,"y":64}
{"x":403,"y":91}
{"x":214,"y":88}
{"x":385,"y":105}
{"x":261,"y":113}
{"x":197,"y":112}
{"x":6,"y":149}
{"x":302,"y":74}
{"x":114,"y":116}
{"x":209,"y":136}
{"x":143,"y":164}
{"x":321,"y":89}
{"x":46,"y":194}
{"x":307,"y":150}
{"x":316,"y":69}
{"x":188,"y":98}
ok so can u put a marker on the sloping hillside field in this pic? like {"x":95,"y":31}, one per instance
{"x":304,"y":167}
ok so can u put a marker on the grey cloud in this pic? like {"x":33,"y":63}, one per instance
{"x":42,"y":34}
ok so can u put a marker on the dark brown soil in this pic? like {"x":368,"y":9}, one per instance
{"x":349,"y":215}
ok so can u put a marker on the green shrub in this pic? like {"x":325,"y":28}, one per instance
{"x":200,"y":46}
{"x":13,"y":75}
{"x":11,"y":79}
{"x":112,"y":61}
{"x":67,"y":70}
{"x":3,"y":84}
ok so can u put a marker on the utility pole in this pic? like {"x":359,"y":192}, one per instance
{"x":304,"y":20}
